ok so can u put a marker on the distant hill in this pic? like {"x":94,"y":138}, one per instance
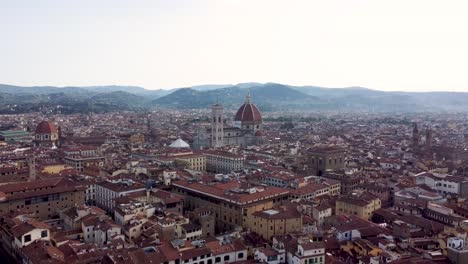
{"x":267,"y":96}
{"x":274,"y":96}
{"x":86,"y":90}
{"x":68,"y":102}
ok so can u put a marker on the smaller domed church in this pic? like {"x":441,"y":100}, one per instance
{"x":46,"y":135}
{"x":245,"y":131}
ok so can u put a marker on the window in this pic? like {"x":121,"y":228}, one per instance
{"x":226,"y":258}
{"x":218,"y":259}
{"x":27,"y":238}
{"x":240,"y":255}
{"x":43,"y":233}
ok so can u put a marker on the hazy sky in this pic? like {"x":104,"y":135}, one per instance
{"x":416,"y":45}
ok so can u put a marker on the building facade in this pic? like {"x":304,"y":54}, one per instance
{"x":223,"y":161}
{"x":361,"y":205}
{"x":107,"y":191}
{"x":230,"y":204}
{"x":273,"y":222}
{"x":326,"y":158}
{"x":43,"y":198}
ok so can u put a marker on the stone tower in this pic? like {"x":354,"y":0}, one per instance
{"x":217,"y":127}
{"x":32,"y":168}
{"x":415,"y":135}
{"x":428,"y":138}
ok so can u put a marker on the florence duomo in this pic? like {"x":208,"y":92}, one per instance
{"x":246,"y":128}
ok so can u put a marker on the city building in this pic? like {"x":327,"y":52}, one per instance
{"x":322,"y":159}
{"x":13,"y":136}
{"x":107,"y":191}
{"x":42,"y":198}
{"x":275,"y":221}
{"x":361,"y":205}
{"x":193,"y":161}
{"x":223,"y":161}
{"x":80,"y":163}
{"x":231,"y":203}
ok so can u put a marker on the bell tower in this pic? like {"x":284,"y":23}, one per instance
{"x":428,"y":138}
{"x":32,"y":168}
{"x":415,"y":135}
{"x":217,"y":127}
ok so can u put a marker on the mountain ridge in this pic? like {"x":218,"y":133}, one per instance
{"x":268,"y":96}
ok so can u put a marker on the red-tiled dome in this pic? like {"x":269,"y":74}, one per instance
{"x":248,"y":112}
{"x":259,"y":133}
{"x":45,"y":127}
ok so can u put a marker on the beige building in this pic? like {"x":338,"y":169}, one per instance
{"x":362,"y":205}
{"x":80,"y":163}
{"x":277,"y":221}
{"x":230,"y":203}
{"x":195,"y":162}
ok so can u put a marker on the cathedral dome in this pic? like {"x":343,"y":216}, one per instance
{"x":46,"y":127}
{"x":248,"y":112}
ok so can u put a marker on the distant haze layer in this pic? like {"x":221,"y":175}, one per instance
{"x":417,"y":45}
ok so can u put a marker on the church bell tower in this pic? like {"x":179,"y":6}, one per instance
{"x":217,"y":127}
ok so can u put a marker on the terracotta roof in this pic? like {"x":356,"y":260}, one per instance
{"x":248,"y":112}
{"x":27,"y":227}
{"x":273,"y":214}
{"x":225,"y":191}
{"x":218,"y":248}
{"x":45,"y":127}
{"x":312,"y":245}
